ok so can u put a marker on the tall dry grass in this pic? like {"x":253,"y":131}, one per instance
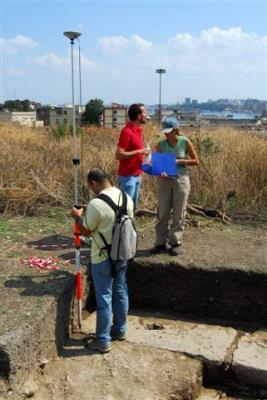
{"x":237,"y":160}
{"x":36,"y":169}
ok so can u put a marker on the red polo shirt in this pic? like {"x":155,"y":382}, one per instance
{"x":131,"y":139}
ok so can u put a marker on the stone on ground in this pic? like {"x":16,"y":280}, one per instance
{"x":250,"y":360}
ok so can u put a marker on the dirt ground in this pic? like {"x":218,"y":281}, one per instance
{"x":238,"y":247}
{"x":77,"y":374}
{"x":128,"y":372}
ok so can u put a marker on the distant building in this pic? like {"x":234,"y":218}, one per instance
{"x":194,"y":102}
{"x":56,"y":115}
{"x":27,"y":118}
{"x":187,"y":101}
{"x":24,"y":117}
{"x":34,"y":105}
{"x":167,"y":113}
{"x":5,"y":116}
{"x":115,"y":116}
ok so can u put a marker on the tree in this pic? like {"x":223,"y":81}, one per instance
{"x":93,"y":112}
{"x":26,"y":104}
{"x":17,"y":105}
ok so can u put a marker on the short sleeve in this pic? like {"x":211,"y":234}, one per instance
{"x":130,"y":206}
{"x":124,"y":139}
{"x":92,"y":217}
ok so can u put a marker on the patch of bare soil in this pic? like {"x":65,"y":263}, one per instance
{"x":235,"y":246}
{"x":128,"y":372}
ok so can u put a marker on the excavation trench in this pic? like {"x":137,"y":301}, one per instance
{"x":231,"y":295}
{"x":208,"y":306}
{"x":228,"y":303}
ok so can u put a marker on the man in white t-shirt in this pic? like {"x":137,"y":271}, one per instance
{"x":111,"y":292}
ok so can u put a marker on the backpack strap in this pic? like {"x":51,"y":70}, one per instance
{"x":124,"y":202}
{"x":115,"y":208}
{"x":107,"y":246}
{"x":108,"y":200}
{"x":111,"y":203}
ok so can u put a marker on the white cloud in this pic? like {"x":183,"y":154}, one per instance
{"x":227,"y":57}
{"x":49,"y":59}
{"x":117,"y":44}
{"x":216,"y":36}
{"x":217,"y":50}
{"x":181,"y":40}
{"x":214,"y":49}
{"x":89,"y":65}
{"x":214,"y":63}
{"x":53,"y":60}
{"x":212,"y":37}
{"x":23,"y":41}
{"x":113,"y":44}
{"x":140,"y":43}
{"x":18,"y":43}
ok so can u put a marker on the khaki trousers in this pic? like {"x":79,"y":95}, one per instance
{"x":172,"y":193}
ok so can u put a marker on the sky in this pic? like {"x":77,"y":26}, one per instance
{"x":209,"y":49}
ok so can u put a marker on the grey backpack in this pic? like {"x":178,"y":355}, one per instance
{"x":124,"y":236}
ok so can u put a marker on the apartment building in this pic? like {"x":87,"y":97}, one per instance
{"x":27,"y":118}
{"x":115,"y":116}
{"x":56,"y":115}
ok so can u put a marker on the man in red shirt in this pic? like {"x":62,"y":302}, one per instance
{"x":130,"y":151}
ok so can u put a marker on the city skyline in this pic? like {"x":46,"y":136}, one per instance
{"x":210,"y":50}
{"x":242,"y":104}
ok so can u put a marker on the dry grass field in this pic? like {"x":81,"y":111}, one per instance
{"x":36,"y":168}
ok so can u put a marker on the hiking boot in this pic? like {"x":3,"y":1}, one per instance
{"x":176,"y":250}
{"x":117,"y":336}
{"x":158,"y":249}
{"x":95,"y":344}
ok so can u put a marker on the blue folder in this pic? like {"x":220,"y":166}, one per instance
{"x":162,"y":162}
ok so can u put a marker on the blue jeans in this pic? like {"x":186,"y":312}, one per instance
{"x":111,"y":296}
{"x":131,"y":185}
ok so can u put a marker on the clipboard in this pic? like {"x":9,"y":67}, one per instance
{"x":162,"y":162}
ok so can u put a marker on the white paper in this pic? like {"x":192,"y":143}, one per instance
{"x":148,"y":159}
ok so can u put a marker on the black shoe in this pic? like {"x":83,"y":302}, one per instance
{"x":158,"y":249}
{"x":176,"y":250}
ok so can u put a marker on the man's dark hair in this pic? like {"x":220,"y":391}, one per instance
{"x":134,"y":110}
{"x":97,"y":175}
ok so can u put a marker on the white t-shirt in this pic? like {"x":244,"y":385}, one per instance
{"x":100,"y":217}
